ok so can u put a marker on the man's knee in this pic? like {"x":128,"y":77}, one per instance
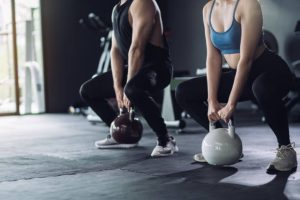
{"x":83,"y":91}
{"x":131,"y":91}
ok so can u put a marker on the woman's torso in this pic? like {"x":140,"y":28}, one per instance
{"x":224,"y":18}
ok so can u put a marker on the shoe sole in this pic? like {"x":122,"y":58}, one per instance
{"x":117,"y":146}
{"x":162,"y":155}
{"x":272,"y":170}
{"x":201,"y":159}
{"x":165,"y":155}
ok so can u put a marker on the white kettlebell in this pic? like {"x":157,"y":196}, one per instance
{"x":222,"y":146}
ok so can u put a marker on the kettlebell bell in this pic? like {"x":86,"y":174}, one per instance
{"x":222,"y":146}
{"x":126,"y":129}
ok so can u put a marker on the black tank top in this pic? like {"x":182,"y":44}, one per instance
{"x":123,"y":34}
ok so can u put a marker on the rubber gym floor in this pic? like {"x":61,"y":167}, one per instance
{"x":45,"y":157}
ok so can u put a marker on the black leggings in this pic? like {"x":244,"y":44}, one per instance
{"x":268,"y":82}
{"x":150,"y":79}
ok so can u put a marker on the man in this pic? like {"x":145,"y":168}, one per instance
{"x":139,"y":42}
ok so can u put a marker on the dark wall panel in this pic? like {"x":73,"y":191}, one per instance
{"x":188,"y":49}
{"x":71,"y":52}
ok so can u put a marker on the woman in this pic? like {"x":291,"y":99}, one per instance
{"x":233,"y":29}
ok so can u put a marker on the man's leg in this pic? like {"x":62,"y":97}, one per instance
{"x":95,"y":93}
{"x":148,"y":80}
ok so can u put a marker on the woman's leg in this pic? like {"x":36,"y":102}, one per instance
{"x":192,"y":96}
{"x":271,"y":81}
{"x":269,"y":89}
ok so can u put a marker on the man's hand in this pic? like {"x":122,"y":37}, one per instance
{"x":119,"y":97}
{"x":126,"y":102}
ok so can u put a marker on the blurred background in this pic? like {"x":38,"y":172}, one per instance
{"x":46,"y":54}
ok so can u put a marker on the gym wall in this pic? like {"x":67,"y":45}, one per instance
{"x":188,"y":49}
{"x":71,"y":52}
{"x":280,"y":17}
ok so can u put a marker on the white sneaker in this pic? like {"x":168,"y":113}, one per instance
{"x":285,"y":160}
{"x":169,"y":149}
{"x":110,"y":143}
{"x":200,"y":158}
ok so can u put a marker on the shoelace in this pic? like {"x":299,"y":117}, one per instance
{"x":281,"y":151}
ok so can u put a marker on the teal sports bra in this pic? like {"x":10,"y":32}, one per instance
{"x":227,"y":42}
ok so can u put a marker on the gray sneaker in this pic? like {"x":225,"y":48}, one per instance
{"x":285,"y":160}
{"x":110,"y":143}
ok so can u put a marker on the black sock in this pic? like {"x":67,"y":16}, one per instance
{"x":163,"y":141}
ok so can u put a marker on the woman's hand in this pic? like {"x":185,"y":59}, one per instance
{"x":226,"y":113}
{"x":213,"y":109}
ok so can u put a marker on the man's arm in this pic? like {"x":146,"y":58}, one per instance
{"x":143,"y":19}
{"x":117,"y":64}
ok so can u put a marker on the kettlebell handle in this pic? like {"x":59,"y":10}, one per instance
{"x":231,"y":128}
{"x":131,"y":113}
{"x":122,"y":110}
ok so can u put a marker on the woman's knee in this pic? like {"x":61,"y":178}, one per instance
{"x":180,"y":93}
{"x":194,"y":89}
{"x":264,"y":94}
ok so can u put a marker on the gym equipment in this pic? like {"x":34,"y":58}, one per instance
{"x":222,"y":146}
{"x":270,"y":41}
{"x":171,"y":111}
{"x":31,"y":76}
{"x":94,"y":23}
{"x":126,"y":129}
{"x":34,"y":100}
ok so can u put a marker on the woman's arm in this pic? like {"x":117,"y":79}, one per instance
{"x":251,"y":23}
{"x":213,"y":66}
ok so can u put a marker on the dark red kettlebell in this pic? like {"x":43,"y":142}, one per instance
{"x":126,"y":129}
